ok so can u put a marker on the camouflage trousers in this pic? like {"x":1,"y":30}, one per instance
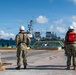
{"x":71,"y":54}
{"x":0,"y":60}
{"x":21,"y":57}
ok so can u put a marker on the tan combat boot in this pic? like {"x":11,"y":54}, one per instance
{"x":2,"y":68}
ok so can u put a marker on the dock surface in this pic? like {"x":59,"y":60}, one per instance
{"x":39,"y":62}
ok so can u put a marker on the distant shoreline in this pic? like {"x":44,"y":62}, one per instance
{"x":6,"y":48}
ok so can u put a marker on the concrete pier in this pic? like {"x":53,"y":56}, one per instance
{"x":40,"y":62}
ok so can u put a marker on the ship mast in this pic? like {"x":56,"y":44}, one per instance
{"x":30,"y":27}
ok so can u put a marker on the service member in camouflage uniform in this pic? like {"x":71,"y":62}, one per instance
{"x":1,"y":65}
{"x":22,"y":40}
{"x":70,"y":50}
{"x":0,"y":60}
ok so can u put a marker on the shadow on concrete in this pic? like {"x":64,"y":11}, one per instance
{"x":43,"y":67}
{"x":51,"y":66}
{"x":48,"y":67}
{"x":10,"y":69}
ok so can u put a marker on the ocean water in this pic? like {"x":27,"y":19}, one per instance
{"x":7,"y":42}
{"x":12,"y":43}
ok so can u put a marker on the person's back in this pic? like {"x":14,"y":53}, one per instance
{"x":21,"y":40}
{"x":70,"y":44}
{"x":70,"y":36}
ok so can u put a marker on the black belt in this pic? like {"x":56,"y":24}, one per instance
{"x":20,"y":43}
{"x":71,"y":43}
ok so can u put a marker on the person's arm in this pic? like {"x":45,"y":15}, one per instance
{"x":28,"y":40}
{"x":17,"y":39}
{"x":65,"y":42}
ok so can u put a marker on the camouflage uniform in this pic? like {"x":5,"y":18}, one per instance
{"x":1,"y":64}
{"x":0,"y":60}
{"x":70,"y":52}
{"x":22,"y":40}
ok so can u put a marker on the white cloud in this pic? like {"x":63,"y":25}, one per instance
{"x":42,"y":19}
{"x":58,"y":22}
{"x":51,"y":27}
{"x":74,"y":24}
{"x":61,"y":30}
{"x":73,"y":19}
{"x":5,"y":35}
{"x":74,"y":1}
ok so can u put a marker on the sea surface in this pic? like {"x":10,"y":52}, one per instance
{"x":12,"y":42}
{"x":7,"y":43}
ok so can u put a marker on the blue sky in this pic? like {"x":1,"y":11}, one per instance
{"x":48,"y":15}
